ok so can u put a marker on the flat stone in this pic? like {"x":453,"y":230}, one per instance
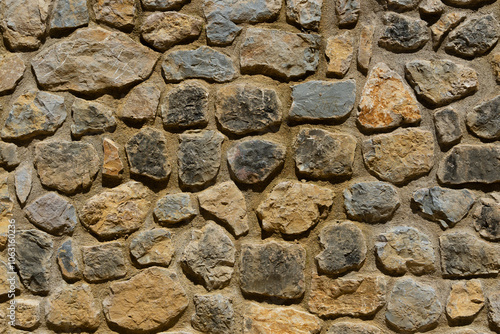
{"x":90,"y":117}
{"x":353,"y":328}
{"x":163,"y":4}
{"x":162,"y":30}
{"x":214,"y":314}
{"x":209,"y":256}
{"x":431,"y":8}
{"x":227,"y":203}
{"x":115,"y":13}
{"x":202,"y":63}
{"x":147,"y":154}
{"x":465,"y":301}
{"x":401,"y":5}
{"x":444,"y":25}
{"x":8,"y":155}
{"x":487,"y":219}
{"x":220,"y":29}
{"x":112,"y":165}
{"x":34,"y":251}
{"x":474,"y":37}
{"x":399,"y":156}
{"x":283,"y":320}
{"x":445,"y":206}
{"x":68,"y":14}
{"x":365,"y":47}
{"x":495,"y":64}
{"x":306,"y":14}
{"x":343,"y":248}
{"x":403,"y":33}
{"x":116,"y":61}
{"x":413,"y":306}
{"x":117,"y":211}
{"x":294,"y":207}
{"x":33,"y":114}
{"x":273,"y":269}
{"x":464,"y":255}
{"x":73,"y":307}
{"x":471,"y":164}
{"x":467,"y":3}
{"x":66,"y":166}
{"x":186,"y":106}
{"x":322,"y":100}
{"x":279,"y":54}
{"x":245,"y":11}
{"x":386,"y":101}
{"x":140,"y":104}
{"x":484,"y":119}
{"x":347,"y":12}
{"x":371,"y":202}
{"x":103,"y":262}
{"x":339,"y":52}
{"x":355,"y":296}
{"x":405,"y":249}
{"x":23,"y":181}
{"x":67,"y":261}
{"x":494,"y":309}
{"x":199,"y":157}
{"x":6,"y":209}
{"x":27,"y":313}
{"x":11,"y":72}
{"x":176,"y":208}
{"x":254,"y":161}
{"x":153,"y":247}
{"x":447,"y":126}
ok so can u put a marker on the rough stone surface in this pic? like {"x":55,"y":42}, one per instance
{"x":186,"y":106}
{"x":175,"y":208}
{"x":140,"y":104}
{"x":68,"y":14}
{"x":304,"y":13}
{"x":6,"y":209}
{"x":347,"y":12}
{"x":112,"y":165}
{"x":403,"y":33}
{"x":23,"y":181}
{"x":444,"y":25}
{"x":27,"y":313}
{"x":339,"y":52}
{"x":153,"y":247}
{"x":8,"y":155}
{"x":353,"y":328}
{"x":162,"y":4}
{"x":116,"y":13}
{"x":447,"y":126}
{"x":495,"y":64}
{"x":431,"y":8}
{"x":484,"y":119}
{"x":103,"y":262}
{"x":67,"y":261}
{"x":487,"y":219}
{"x":401,"y":5}
{"x":11,"y":71}
{"x":494,"y":309}
{"x":244,"y":11}
{"x":220,"y":29}
{"x":365,"y":47}
{"x":214,"y":314}
{"x":465,"y":301}
{"x":90,"y":117}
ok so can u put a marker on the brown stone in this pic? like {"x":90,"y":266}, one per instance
{"x":27,"y":313}
{"x":365,"y":47}
{"x":6,"y":207}
{"x":444,"y":25}
{"x":112,"y":165}
{"x":339,"y":51}
{"x":153,"y":247}
{"x":495,"y":63}
{"x":466,"y":300}
{"x":103,"y":262}
{"x":116,"y":13}
{"x":140,"y":104}
{"x":346,"y":327}
{"x":11,"y":71}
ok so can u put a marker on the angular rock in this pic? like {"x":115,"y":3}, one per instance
{"x":202,"y":63}
{"x":27,"y":314}
{"x":220,"y":29}
{"x":116,"y":13}
{"x":162,"y":4}
{"x":353,"y":328}
{"x":445,"y":206}
{"x":214,"y":314}
{"x":112,"y":165}
{"x":474,"y":37}
{"x":209,"y":256}
{"x":386,"y":102}
{"x":140,"y":104}
{"x":465,"y":301}
{"x":487,"y":219}
{"x":371,"y":202}
{"x":68,"y":14}
{"x":347,"y":12}
{"x":339,"y":52}
{"x":294,"y":207}
{"x":484,"y":119}
{"x":176,"y":208}
{"x":431,"y":8}
{"x":162,"y":30}
{"x":23,"y":181}
{"x":244,"y":11}
{"x":279,"y":54}
{"x":273,"y":269}
{"x":365,"y":47}
{"x":403,"y":33}
{"x":307,"y":14}
{"x":254,"y":161}
{"x":495,"y":63}
{"x":116,"y":61}
{"x":153,"y":247}
{"x":147,"y":154}
{"x":494,"y":309}
{"x":467,"y":3}
{"x":444,"y":25}
{"x":405,"y":249}
{"x":227,"y":203}
{"x":8,"y":155}
{"x":322,"y":100}
{"x":447,"y":126}
{"x":33,"y":114}
{"x":343,"y":248}
{"x":11,"y":72}
{"x":103,"y":262}
{"x":401,"y":5}
{"x":117,"y":211}
{"x":412,"y":306}
{"x":67,"y":261}
{"x":90,"y":117}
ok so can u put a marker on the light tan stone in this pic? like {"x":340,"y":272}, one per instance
{"x":11,"y":71}
{"x":348,"y":327}
{"x":443,"y":27}
{"x":112,"y":165}
{"x":339,"y":51}
{"x":365,"y":47}
{"x":495,"y":63}
{"x":141,"y":103}
{"x":116,"y":13}
{"x":6,"y":207}
{"x":466,"y":300}
{"x":27,"y":313}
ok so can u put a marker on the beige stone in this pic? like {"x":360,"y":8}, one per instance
{"x":6,"y":207}
{"x":11,"y":71}
{"x":365,"y":47}
{"x":444,"y":25}
{"x":112,"y":165}
{"x":466,"y":300}
{"x":141,"y":103}
{"x":495,"y":63}
{"x":347,"y":327}
{"x":27,"y":313}
{"x":339,"y":51}
{"x":117,"y":13}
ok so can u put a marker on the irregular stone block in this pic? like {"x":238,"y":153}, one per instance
{"x":8,"y":155}
{"x":484,"y":119}
{"x":495,"y":63}
{"x":353,"y":328}
{"x":67,"y":261}
{"x":162,"y":4}
{"x":347,"y":12}
{"x":403,"y":33}
{"x":23,"y":181}
{"x":494,"y":309}
{"x":27,"y":313}
{"x":487,"y":219}
{"x":6,"y":209}
{"x":11,"y":72}
{"x":444,"y":25}
{"x":68,"y":14}
{"x":465,"y":301}
{"x":8,"y":281}
{"x":112,"y":165}
{"x":447,"y":126}
{"x":214,"y":314}
{"x":153,"y":247}
{"x":304,"y":13}
{"x":90,"y":117}
{"x":365,"y":47}
{"x":103,"y":262}
{"x":244,"y":11}
{"x":431,"y":8}
{"x":401,"y":5}
{"x":339,"y":52}
{"x":176,"y":208}
{"x":116,"y":13}
{"x":220,"y":29}
{"x":140,"y":104}
{"x":467,"y":3}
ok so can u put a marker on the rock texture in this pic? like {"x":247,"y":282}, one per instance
{"x":304,"y":13}
{"x":447,"y":125}
{"x":153,"y":247}
{"x":11,"y":70}
{"x":91,"y":117}
{"x":140,"y":104}
{"x":487,"y":219}
{"x":68,"y":15}
{"x":103,"y":262}
{"x":484,"y":119}
{"x":403,"y":33}
{"x":339,"y":51}
{"x":465,"y":301}
{"x":214,"y":314}
{"x":175,"y":208}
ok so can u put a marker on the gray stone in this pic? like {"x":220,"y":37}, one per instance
{"x":403,"y":33}
{"x":8,"y":155}
{"x":279,"y":54}
{"x":214,"y":314}
{"x":401,"y":5}
{"x":304,"y":13}
{"x":347,"y":12}
{"x":115,"y":13}
{"x":67,"y":261}
{"x":244,"y":11}
{"x":413,"y":306}
{"x":103,"y":262}
{"x":371,"y":202}
{"x":176,"y":208}
{"x":273,"y":269}
{"x":23,"y":181}
{"x":68,"y":14}
{"x":467,"y":3}
{"x":343,"y":248}
{"x":447,"y":126}
{"x":494,"y":309}
{"x":444,"y":25}
{"x":209,"y":256}
{"x":484,"y":119}
{"x":140,"y":104}
{"x":12,"y":69}
{"x":445,"y":206}
{"x":91,"y":117}
{"x":487,"y":219}
{"x":221,"y":30}
{"x":353,"y":328}
{"x":322,"y":100}
{"x":153,"y":247}
{"x":202,"y":63}
{"x":431,"y":7}
{"x":163,"y":4}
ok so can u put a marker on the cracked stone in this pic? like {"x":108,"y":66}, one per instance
{"x":112,"y":165}
{"x":67,"y":261}
{"x":116,"y":13}
{"x":339,"y":52}
{"x":347,"y":12}
{"x":68,"y":14}
{"x":444,"y":25}
{"x":103,"y":262}
{"x":365,"y":47}
{"x":403,"y":33}
{"x":23,"y":181}
{"x":487,"y":219}
{"x":153,"y":247}
{"x":447,"y":126}
{"x":176,"y":208}
{"x":214,"y":314}
{"x":465,"y":301}
{"x":11,"y":72}
{"x":28,"y":313}
{"x":304,"y":13}
{"x":90,"y":117}
{"x":484,"y":119}
{"x":140,"y":104}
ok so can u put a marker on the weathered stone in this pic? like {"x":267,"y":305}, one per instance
{"x":431,"y":8}
{"x":322,"y":100}
{"x":186,"y":106}
{"x":68,"y":14}
{"x":73,"y":307}
{"x":8,"y":155}
{"x":162,"y":30}
{"x":199,"y":157}
{"x":294,"y":207}
{"x":244,"y":11}
{"x":253,"y":161}
{"x":339,"y":52}
{"x":467,"y":3}
{"x":386,"y":101}
{"x":447,"y":126}
{"x":403,"y":33}
{"x":474,"y":37}
{"x":6,"y":209}
{"x":347,"y":12}
{"x":444,"y":25}
{"x":112,"y":165}
{"x":117,"y":211}
{"x":227,"y":203}
{"x":202,"y":63}
{"x":484,"y":119}
{"x":343,"y":248}
{"x":33,"y":114}
{"x":23,"y":181}
{"x":487,"y":219}
{"x":116,"y":13}
{"x":258,"y":319}
{"x":400,"y":156}
{"x":365,"y":47}
{"x":371,"y":202}
{"x":354,"y":296}
{"x":304,"y":13}
{"x":465,"y":301}
{"x":103,"y":262}
{"x":279,"y":54}
{"x":494,"y":309}
{"x":34,"y":251}
{"x":175,"y":208}
{"x":412,"y":306}
{"x":214,"y":314}
{"x":96,"y":59}
{"x":90,"y":117}
{"x":153,"y":247}
{"x":147,"y":154}
{"x":405,"y":249}
{"x":221,"y":30}
{"x":140,"y":104}
{"x":353,"y":328}
{"x":495,"y":63}
{"x":273,"y":269}
{"x":471,"y":164}
{"x":11,"y":72}
{"x":320,"y":154}
{"x":209,"y":256}
{"x":162,"y":4}
{"x":67,"y":262}
{"x":445,"y":206}
{"x":27,"y":313}
{"x":463,"y":255}
{"x":9,"y":282}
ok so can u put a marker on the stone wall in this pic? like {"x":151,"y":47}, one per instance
{"x":250,"y":166}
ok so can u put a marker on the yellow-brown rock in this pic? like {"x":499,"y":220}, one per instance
{"x":339,"y":51}
{"x":443,"y":26}
{"x":495,"y":63}
{"x":112,"y":166}
{"x":466,"y":300}
{"x":6,"y":206}
{"x":365,"y":47}
{"x":11,"y":71}
{"x":27,"y":313}
{"x":116,"y":13}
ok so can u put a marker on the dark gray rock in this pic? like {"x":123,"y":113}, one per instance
{"x":221,"y":31}
{"x":401,"y":5}
{"x":67,"y":261}
{"x":175,"y":208}
{"x":153,"y":247}
{"x":23,"y":181}
{"x":403,"y":33}
{"x":347,"y":12}
{"x":103,"y":262}
{"x":214,"y":314}
{"x":447,"y":126}
{"x":484,"y":119}
{"x":304,"y":13}
{"x":90,"y":117}
{"x":8,"y":155}
{"x":487,"y":219}
{"x":68,"y":14}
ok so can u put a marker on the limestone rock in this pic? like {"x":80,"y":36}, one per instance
{"x":401,"y":5}
{"x":140,"y":104}
{"x":176,"y":208}
{"x":90,"y":117}
{"x":487,"y":219}
{"x":162,"y":4}
{"x":6,"y":209}
{"x":495,"y":63}
{"x":8,"y":155}
{"x":494,"y":309}
{"x":403,"y":33}
{"x":244,"y":11}
{"x":112,"y":165}
{"x":347,"y":12}
{"x":484,"y":119}
{"x":27,"y":313}
{"x":365,"y":47}
{"x":103,"y":262}
{"x":220,"y":29}
{"x":465,"y":301}
{"x":153,"y":247}
{"x":23,"y":181}
{"x":214,"y":314}
{"x":447,"y":126}
{"x":353,"y":328}
{"x":304,"y":13}
{"x":444,"y":25}
{"x":467,"y":3}
{"x":67,"y":261}
{"x":294,"y":207}
{"x":68,"y":14}
{"x":431,"y":8}
{"x":11,"y":72}
{"x":116,"y":13}
{"x":339,"y":52}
